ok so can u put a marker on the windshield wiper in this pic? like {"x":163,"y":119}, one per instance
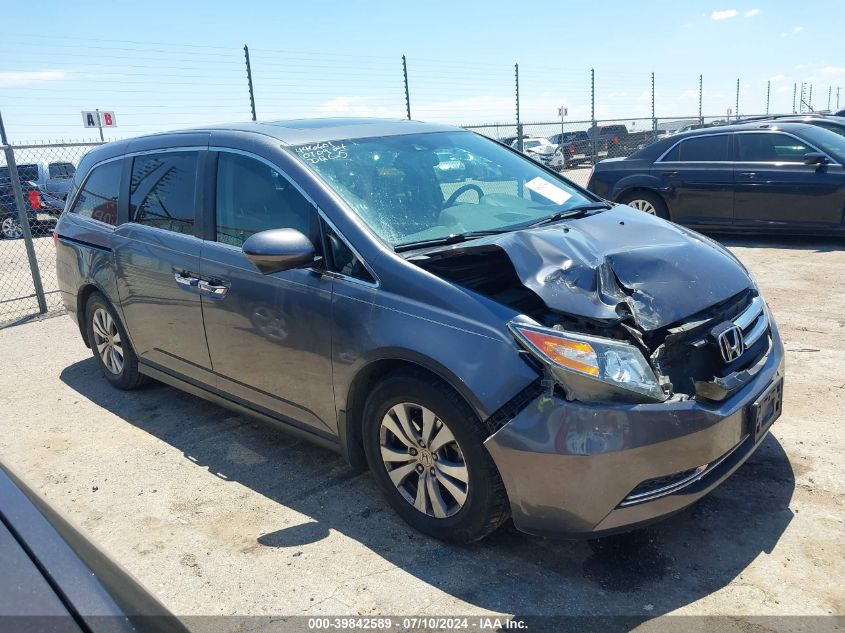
{"x":569,"y":213}
{"x":454,"y":238}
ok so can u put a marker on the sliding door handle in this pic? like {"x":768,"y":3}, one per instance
{"x":750,"y":175}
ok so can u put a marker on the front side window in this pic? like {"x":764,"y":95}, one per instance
{"x":770,"y":147}
{"x":252,"y":196}
{"x":97,"y":198}
{"x":393,"y":183}
{"x":162,"y":190}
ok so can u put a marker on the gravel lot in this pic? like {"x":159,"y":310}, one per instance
{"x":217,"y":514}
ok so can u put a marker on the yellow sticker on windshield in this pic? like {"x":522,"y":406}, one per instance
{"x":548,"y":190}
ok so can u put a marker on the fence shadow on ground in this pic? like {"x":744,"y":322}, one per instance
{"x":643,"y":574}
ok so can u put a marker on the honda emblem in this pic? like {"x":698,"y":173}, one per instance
{"x":731,"y":343}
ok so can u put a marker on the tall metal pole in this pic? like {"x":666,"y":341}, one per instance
{"x":736,"y":112}
{"x":801,"y":102}
{"x":593,"y":130}
{"x":829,"y":95}
{"x":518,"y":121}
{"x":700,"y":99}
{"x":794,"y":94}
{"x":810,"y":101}
{"x":653,"y":118}
{"x":407,"y":92}
{"x":100,"y":125}
{"x":768,"y":94}
{"x":23,"y":218}
{"x":837,"y":97}
{"x":249,"y":81}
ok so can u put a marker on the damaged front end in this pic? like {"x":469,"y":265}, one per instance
{"x":621,"y":307}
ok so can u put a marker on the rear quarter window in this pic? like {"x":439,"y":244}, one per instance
{"x":98,"y":196}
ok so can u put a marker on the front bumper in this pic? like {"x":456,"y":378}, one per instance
{"x":570,"y":468}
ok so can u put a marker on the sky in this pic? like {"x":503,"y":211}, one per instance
{"x":165,"y":65}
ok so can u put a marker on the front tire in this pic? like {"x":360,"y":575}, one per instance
{"x":425,"y":447}
{"x":10,"y":228}
{"x":647,"y":202}
{"x":112,"y":350}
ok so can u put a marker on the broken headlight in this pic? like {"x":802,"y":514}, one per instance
{"x":592,"y":368}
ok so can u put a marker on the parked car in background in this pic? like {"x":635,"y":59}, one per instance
{"x":54,"y":579}
{"x":541,"y":150}
{"x":508,"y":347}
{"x":832,"y":123}
{"x":52,"y":179}
{"x":762,"y":176}
{"x":41,"y":219}
{"x":575,"y":147}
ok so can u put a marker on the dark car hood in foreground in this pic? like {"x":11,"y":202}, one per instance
{"x":621,"y":260}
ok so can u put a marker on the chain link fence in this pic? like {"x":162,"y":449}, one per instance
{"x":30,"y":204}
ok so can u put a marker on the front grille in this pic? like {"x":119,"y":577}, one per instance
{"x":690,"y":357}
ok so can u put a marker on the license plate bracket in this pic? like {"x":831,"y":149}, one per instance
{"x":765,"y":409}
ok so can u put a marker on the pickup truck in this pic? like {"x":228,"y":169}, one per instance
{"x":40,"y":216}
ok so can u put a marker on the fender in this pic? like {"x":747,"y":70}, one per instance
{"x":638,"y":181}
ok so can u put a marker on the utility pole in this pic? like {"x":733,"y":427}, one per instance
{"x":249,"y":81}
{"x":518,"y":122}
{"x":653,"y":118}
{"x":736,"y":112}
{"x":700,"y":99}
{"x":593,"y":130}
{"x":407,"y":92}
{"x":768,"y":94}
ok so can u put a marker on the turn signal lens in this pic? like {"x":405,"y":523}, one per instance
{"x":575,"y":355}
{"x":570,"y":355}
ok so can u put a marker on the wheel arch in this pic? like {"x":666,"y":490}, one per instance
{"x":350,"y":418}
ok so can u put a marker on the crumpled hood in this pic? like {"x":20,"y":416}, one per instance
{"x":621,"y":260}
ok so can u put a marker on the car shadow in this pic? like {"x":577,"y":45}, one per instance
{"x":642,"y":574}
{"x":799,"y":243}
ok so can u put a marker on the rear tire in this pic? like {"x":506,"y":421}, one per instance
{"x":10,"y":228}
{"x":646,"y":201}
{"x":463,"y":496}
{"x":112,"y":350}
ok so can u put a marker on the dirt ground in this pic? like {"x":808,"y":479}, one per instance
{"x":217,"y":514}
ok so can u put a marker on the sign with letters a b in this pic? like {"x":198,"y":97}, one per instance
{"x":98,"y":118}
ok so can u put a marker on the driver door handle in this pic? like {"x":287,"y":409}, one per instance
{"x":214,"y":289}
{"x":185,"y":280}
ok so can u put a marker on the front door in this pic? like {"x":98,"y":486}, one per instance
{"x":269,"y":336}
{"x":156,"y":255}
{"x":774,"y":186}
{"x":698,"y":177}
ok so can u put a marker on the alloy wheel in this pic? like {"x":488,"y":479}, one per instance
{"x":11,"y":228}
{"x":643,"y":205}
{"x":107,"y":341}
{"x":424,"y":460}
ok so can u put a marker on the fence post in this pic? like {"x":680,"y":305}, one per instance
{"x":736,"y":112}
{"x":23,"y":219}
{"x":653,"y":118}
{"x":701,"y":99}
{"x":249,"y":81}
{"x":829,"y":95}
{"x":593,"y":130}
{"x":810,"y":100}
{"x":519,"y":144}
{"x":768,"y":94}
{"x":407,"y":92}
{"x":794,"y":94}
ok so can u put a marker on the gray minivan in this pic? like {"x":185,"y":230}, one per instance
{"x":506,"y":346}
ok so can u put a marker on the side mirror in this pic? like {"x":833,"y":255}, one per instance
{"x":279,"y":249}
{"x":815,"y":158}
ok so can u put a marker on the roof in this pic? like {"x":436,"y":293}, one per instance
{"x":298,"y":131}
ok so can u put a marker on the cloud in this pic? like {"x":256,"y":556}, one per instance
{"x":359,"y":106}
{"x":797,"y":29}
{"x":547,"y":94}
{"x":777,"y":78}
{"x":724,"y":15}
{"x":751,"y":13}
{"x":833,"y":71}
{"x":23,"y":77}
